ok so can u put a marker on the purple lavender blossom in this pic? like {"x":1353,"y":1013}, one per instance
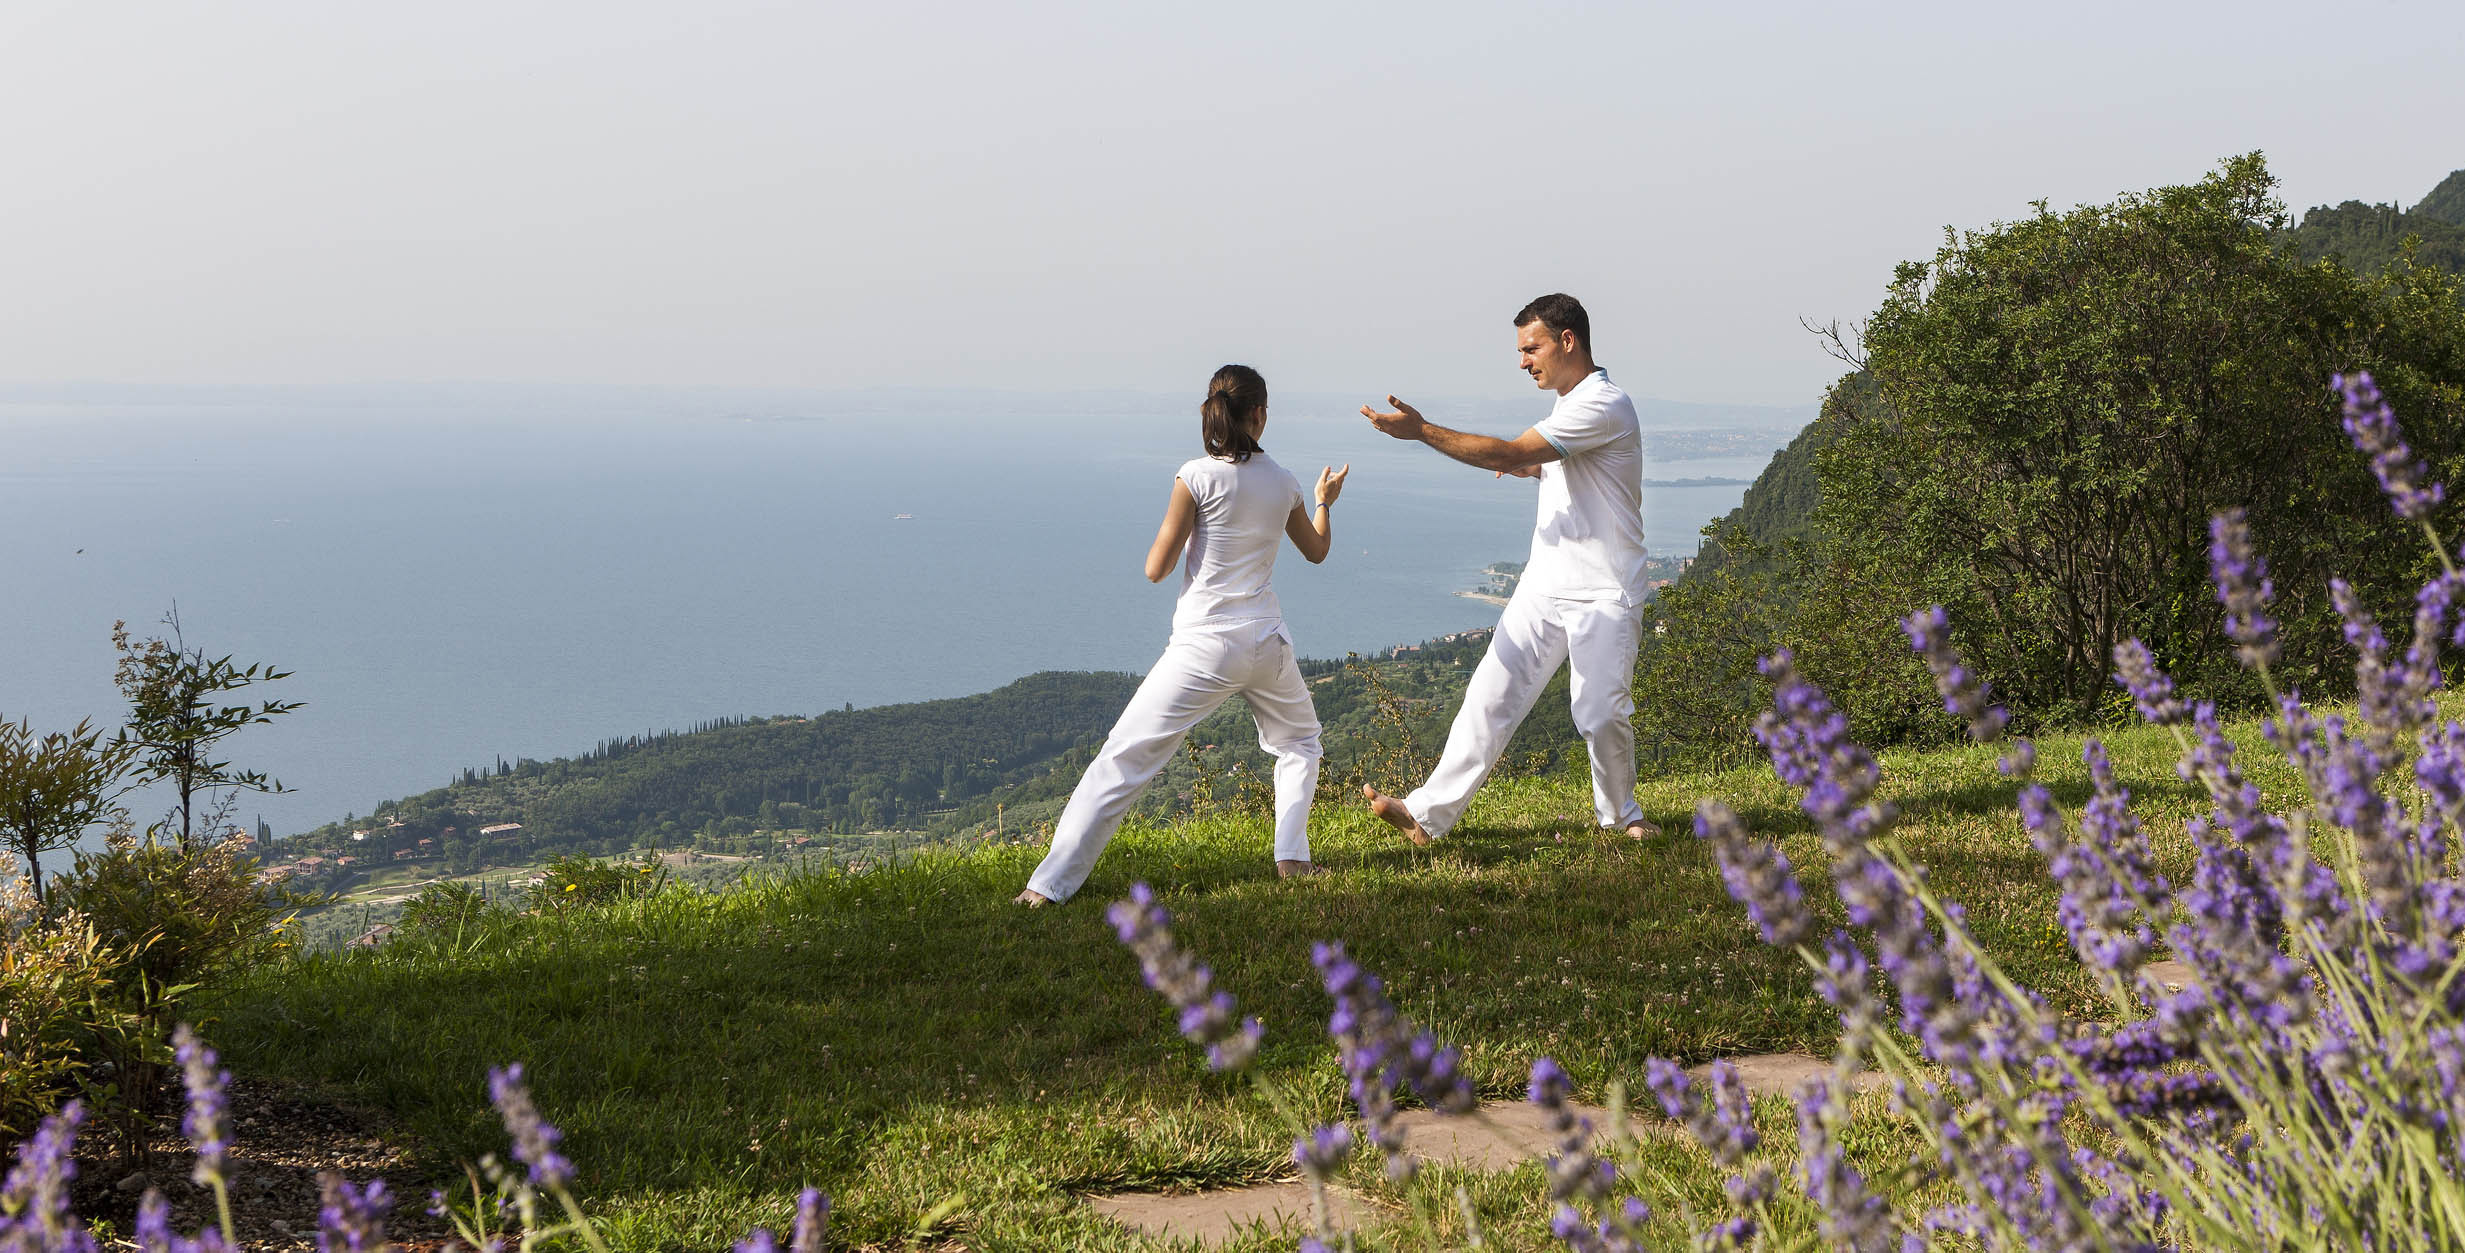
{"x":2373,"y":427}
{"x":1380,"y":1051}
{"x":1757,"y":874}
{"x":1853,"y":1218}
{"x":759,"y":1240}
{"x":1205,"y":1016}
{"x":2108,"y":887}
{"x":534,"y":1138}
{"x":1963,"y":693}
{"x":1576,"y":1172}
{"x":2151,"y":689}
{"x":206,"y":1123}
{"x":35,"y":1214}
{"x":812,"y":1222}
{"x":2243,"y":588}
{"x":1322,"y":1152}
{"x":1723,"y":1123}
{"x":351,"y":1219}
{"x":2375,"y":688}
{"x":1811,"y":750}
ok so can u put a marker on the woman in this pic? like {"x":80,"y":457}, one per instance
{"x":1230,"y":510}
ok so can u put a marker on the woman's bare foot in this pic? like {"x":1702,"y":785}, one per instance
{"x":1298,"y":869}
{"x":1031,"y":898}
{"x":1642,"y":830}
{"x":1392,"y":812}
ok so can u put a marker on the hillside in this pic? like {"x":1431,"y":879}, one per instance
{"x":905,"y":1038}
{"x":2368,"y":237}
{"x":946,"y":767}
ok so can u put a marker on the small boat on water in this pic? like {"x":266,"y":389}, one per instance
{"x":902,"y":517}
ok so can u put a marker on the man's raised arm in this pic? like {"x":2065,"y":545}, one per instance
{"x":1506,"y":456}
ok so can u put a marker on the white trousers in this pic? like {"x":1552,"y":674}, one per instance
{"x":1200,"y":668}
{"x":1535,"y":636}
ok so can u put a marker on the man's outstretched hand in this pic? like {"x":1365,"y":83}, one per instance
{"x":1404,"y":422}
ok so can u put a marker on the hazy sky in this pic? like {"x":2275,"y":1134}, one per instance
{"x":1092,"y":196}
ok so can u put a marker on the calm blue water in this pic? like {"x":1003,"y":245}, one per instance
{"x":506,"y":577}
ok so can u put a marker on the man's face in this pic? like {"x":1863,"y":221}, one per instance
{"x":1548,"y":358}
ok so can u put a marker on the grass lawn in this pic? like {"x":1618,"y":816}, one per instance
{"x":911,"y":1043}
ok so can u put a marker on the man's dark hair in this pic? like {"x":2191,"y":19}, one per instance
{"x":1560,"y":313}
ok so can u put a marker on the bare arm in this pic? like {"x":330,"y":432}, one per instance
{"x":1506,"y":456}
{"x":1313,"y":529}
{"x":1180,"y":518}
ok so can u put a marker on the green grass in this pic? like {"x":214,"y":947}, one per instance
{"x":907,"y":1038}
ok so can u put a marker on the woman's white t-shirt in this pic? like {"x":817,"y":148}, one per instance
{"x":1242,"y":509}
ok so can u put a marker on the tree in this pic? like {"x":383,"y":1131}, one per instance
{"x":54,"y":787}
{"x":175,"y":721}
{"x":2064,"y":401}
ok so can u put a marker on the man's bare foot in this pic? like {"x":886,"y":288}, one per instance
{"x":1298,"y":869}
{"x":1392,"y":812}
{"x":1031,"y":898}
{"x":1642,"y":830}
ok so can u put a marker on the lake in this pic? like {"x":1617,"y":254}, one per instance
{"x":456,"y":575}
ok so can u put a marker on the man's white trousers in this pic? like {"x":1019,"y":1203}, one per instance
{"x":1535,"y":636}
{"x":1201,"y":668}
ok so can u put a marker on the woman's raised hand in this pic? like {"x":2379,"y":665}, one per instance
{"x":1331,"y":483}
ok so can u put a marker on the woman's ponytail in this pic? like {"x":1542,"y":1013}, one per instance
{"x":1235,"y":393}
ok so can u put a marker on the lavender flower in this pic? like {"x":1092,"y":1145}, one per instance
{"x":35,"y":1214}
{"x":1853,"y":1218}
{"x":2373,"y":427}
{"x":206,"y":1123}
{"x":1963,"y":693}
{"x":1322,"y":1152}
{"x":534,"y":1138}
{"x":1580,"y":1177}
{"x":2104,"y":874}
{"x":2243,"y":588}
{"x":349,"y":1219}
{"x":1206,"y":1016}
{"x":1381,"y":1051}
{"x":2151,"y":690}
{"x":812,"y":1222}
{"x":1723,"y":1124}
{"x":1757,"y":874}
{"x":1810,"y":749}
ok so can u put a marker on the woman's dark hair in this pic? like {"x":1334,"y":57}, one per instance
{"x":1233,"y":395}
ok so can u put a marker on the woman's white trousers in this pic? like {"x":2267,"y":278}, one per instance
{"x":1537,"y":634}
{"x":1200,"y":668}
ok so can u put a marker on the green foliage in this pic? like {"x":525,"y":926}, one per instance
{"x":2048,"y":413}
{"x":53,"y":788}
{"x":2067,"y":400}
{"x":452,"y":913}
{"x":576,"y":881}
{"x":175,"y":918}
{"x":2369,"y":238}
{"x":55,"y":1001}
{"x":176,"y":722}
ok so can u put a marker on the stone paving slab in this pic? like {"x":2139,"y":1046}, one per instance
{"x":1211,"y":1218}
{"x":1502,"y":1136}
{"x":2175,"y":976}
{"x":1781,"y":1074}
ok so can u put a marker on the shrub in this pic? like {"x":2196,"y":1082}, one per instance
{"x":572,"y":881}
{"x":451,"y":913}
{"x":172,"y":919}
{"x":55,"y":997}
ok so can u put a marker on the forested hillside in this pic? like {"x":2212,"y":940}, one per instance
{"x":2044,"y":418}
{"x":2367,"y":237}
{"x":945,"y":767}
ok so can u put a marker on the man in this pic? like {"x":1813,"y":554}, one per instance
{"x":1581,"y":596}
